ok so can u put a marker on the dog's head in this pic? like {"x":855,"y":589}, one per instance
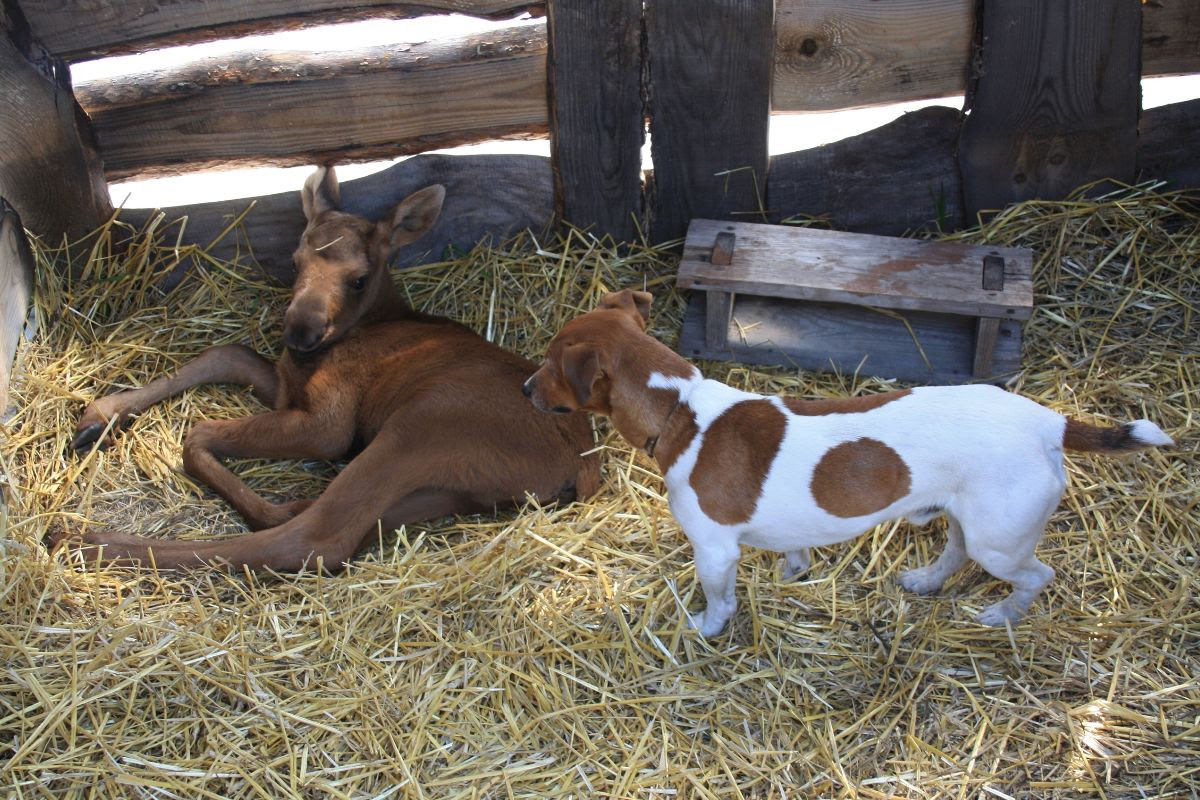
{"x":580,"y":359}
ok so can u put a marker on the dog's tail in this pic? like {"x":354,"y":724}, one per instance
{"x":1126,"y":438}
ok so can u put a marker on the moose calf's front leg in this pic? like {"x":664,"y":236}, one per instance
{"x":230,"y":363}
{"x":276,"y":434}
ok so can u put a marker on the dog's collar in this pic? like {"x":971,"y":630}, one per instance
{"x":652,"y":442}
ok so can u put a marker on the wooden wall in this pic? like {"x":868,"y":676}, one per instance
{"x":1051,"y":88}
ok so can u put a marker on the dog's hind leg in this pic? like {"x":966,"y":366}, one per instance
{"x":1008,"y":555}
{"x":930,"y":578}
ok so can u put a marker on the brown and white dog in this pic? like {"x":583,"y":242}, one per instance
{"x":787,"y":474}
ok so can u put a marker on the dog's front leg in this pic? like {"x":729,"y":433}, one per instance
{"x":796,"y":564}
{"x":717,"y":556}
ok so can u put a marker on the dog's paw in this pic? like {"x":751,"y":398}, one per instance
{"x":707,"y":623}
{"x":922,"y":580}
{"x":796,"y":564}
{"x":998,"y":614}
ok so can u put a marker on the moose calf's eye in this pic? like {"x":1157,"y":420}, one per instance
{"x":359,"y":283}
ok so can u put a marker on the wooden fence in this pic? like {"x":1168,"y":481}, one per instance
{"x":1052,"y":102}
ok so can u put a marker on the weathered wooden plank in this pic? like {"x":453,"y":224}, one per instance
{"x":301,"y":108}
{"x":48,"y":168}
{"x":898,"y":178}
{"x":709,"y":95}
{"x":837,"y":267}
{"x":1170,"y":38}
{"x":16,"y":290}
{"x":912,"y":346}
{"x":1167,"y":148}
{"x":487,"y":197}
{"x":1055,"y":103}
{"x":596,"y":118}
{"x":834,"y":54}
{"x":115,"y":26}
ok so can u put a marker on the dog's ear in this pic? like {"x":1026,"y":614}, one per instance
{"x":581,"y":367}
{"x":320,"y":193}
{"x":635,"y":303}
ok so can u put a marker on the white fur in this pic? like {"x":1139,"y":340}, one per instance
{"x":991,"y":461}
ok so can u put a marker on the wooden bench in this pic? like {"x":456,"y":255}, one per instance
{"x":934,"y":312}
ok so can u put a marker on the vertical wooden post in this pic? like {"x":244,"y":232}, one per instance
{"x":709,"y":89}
{"x":49,"y":169}
{"x":16,"y":290}
{"x":597,"y":122}
{"x":1054,"y":100}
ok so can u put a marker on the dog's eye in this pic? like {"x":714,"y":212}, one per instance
{"x":359,"y":283}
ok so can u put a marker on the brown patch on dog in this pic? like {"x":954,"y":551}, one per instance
{"x":678,"y":433}
{"x":842,"y":405}
{"x":738,"y":450}
{"x":1092,"y":439}
{"x":858,"y":478}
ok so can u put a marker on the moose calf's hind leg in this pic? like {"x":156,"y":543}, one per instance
{"x":285,"y":433}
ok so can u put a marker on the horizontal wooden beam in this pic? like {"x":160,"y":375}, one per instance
{"x":282,"y":109}
{"x":488,"y":197}
{"x":80,"y":29}
{"x":837,"y":54}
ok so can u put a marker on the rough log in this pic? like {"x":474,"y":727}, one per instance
{"x":116,"y":26}
{"x":899,"y":178}
{"x":1056,"y":100}
{"x":286,"y":109}
{"x":487,"y":198}
{"x":1166,"y":149}
{"x":48,"y":168}
{"x":833,"y":54}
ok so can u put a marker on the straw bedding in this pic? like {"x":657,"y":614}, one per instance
{"x":542,"y":652}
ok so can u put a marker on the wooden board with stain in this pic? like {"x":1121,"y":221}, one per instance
{"x":861,"y":269}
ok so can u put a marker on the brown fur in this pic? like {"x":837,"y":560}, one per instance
{"x":437,"y":410}
{"x":842,"y":405}
{"x":734,"y":459}
{"x":678,"y":432}
{"x":583,"y":371}
{"x":1089,"y":438}
{"x":858,"y":478}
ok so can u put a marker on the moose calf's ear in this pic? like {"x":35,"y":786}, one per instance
{"x":320,"y":193}
{"x":414,"y":215}
{"x":635,"y":303}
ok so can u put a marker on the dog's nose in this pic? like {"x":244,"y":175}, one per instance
{"x":526,"y":389}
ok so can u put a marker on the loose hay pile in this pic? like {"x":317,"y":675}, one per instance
{"x":543,"y":653}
